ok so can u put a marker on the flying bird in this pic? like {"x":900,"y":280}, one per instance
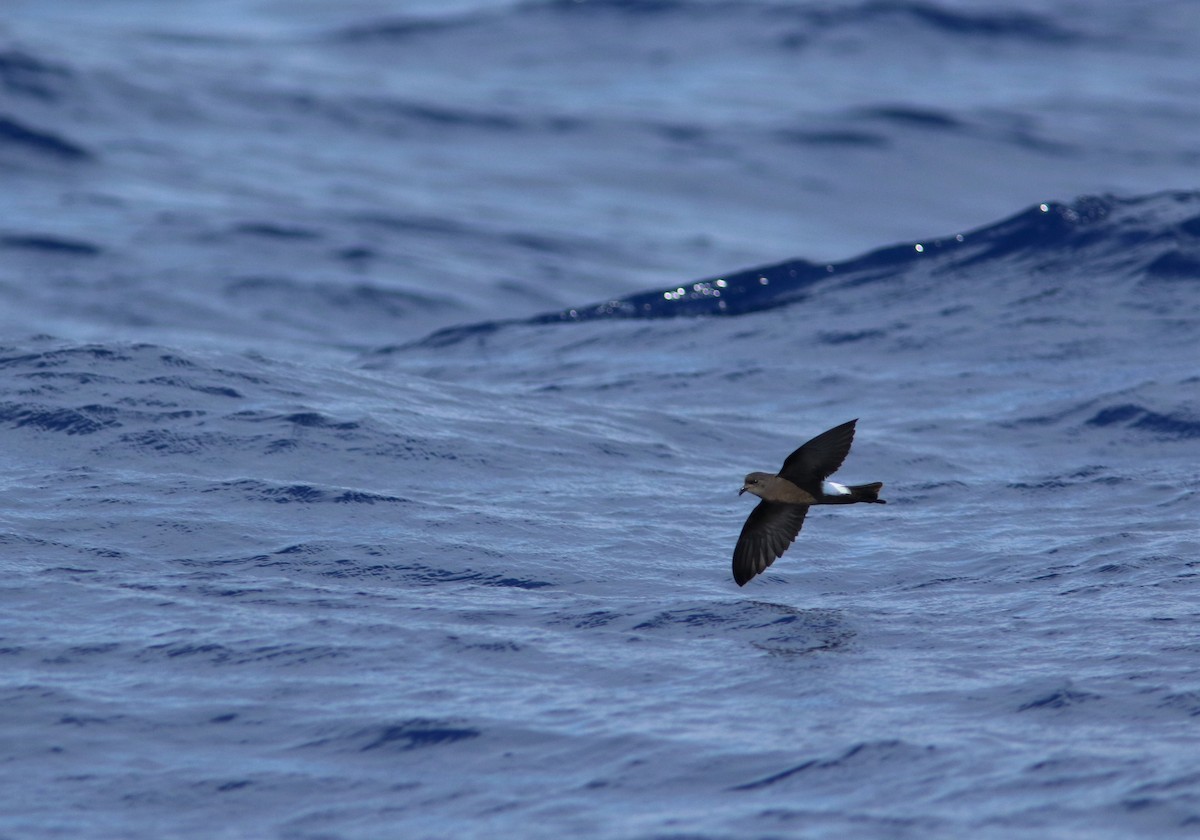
{"x":787,"y":496}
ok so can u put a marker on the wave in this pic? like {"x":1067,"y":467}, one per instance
{"x":18,"y":135}
{"x":1094,"y":239}
{"x":1154,"y":230}
{"x":1178,"y":424}
{"x":25,"y":75}
{"x":808,"y":21}
{"x":50,"y":244}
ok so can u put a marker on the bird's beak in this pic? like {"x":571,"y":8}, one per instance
{"x":743,"y":490}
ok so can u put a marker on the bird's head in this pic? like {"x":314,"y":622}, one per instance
{"x":756,"y":483}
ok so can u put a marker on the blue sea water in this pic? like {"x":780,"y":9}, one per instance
{"x":376,"y":380}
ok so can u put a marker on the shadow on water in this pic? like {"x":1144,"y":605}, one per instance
{"x":778,"y":629}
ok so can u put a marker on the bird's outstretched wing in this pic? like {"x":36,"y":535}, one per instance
{"x":768,"y":532}
{"x":820,"y":457}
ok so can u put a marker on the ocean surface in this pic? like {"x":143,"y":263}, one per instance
{"x":377,"y":379}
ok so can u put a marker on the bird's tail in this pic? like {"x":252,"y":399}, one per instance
{"x":867,"y":492}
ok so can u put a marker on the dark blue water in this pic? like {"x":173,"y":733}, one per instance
{"x":376,"y":381}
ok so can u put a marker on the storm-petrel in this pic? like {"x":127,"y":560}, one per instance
{"x":786,"y":497}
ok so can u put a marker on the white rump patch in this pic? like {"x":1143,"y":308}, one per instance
{"x":832,"y":488}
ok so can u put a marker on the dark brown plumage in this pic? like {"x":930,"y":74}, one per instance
{"x":787,"y":496}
